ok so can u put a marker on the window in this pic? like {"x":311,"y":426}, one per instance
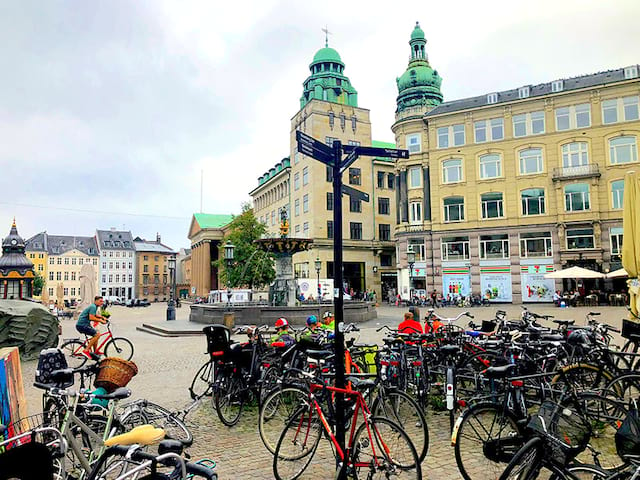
{"x":490,"y":166}
{"x":81,"y":261}
{"x":380,"y":179}
{"x":451,"y":136}
{"x":296,"y":208}
{"x":630,"y":72}
{"x":117,"y":278}
{"x":385,"y":260}
{"x":145,"y":268}
{"x":273,"y":217}
{"x":414,"y":144}
{"x":329,"y":140}
{"x":110,"y":278}
{"x":415,"y":177}
{"x":617,"y":194}
{"x":104,"y":265}
{"x":575,"y":154}
{"x":616,"y":241}
{"x":523,"y":92}
{"x":296,"y":181}
{"x":533,"y":201}
{"x":453,"y":209}
{"x":578,"y":116}
{"x":580,"y":238}
{"x":385,"y":232}
{"x":536,"y":244}
{"x":623,"y":150}
{"x":528,"y":124}
{"x":329,"y":229}
{"x":58,"y":275}
{"x":455,"y":248}
{"x":305,"y":175}
{"x":59,"y":261}
{"x":73,"y":276}
{"x":530,"y":161}
{"x":355,"y":205}
{"x":301,"y":270}
{"x":356,"y":230}
{"x":305,"y":203}
{"x":415,"y":211}
{"x":492,"y":205}
{"x":51,"y":276}
{"x":117,"y":265}
{"x":618,"y":109}
{"x":383,"y":206}
{"x":305,"y":229}
{"x":156,"y":268}
{"x":65,"y":291}
{"x":492,"y":98}
{"x":329,"y":200}
{"x":131,"y":277}
{"x":74,"y":261}
{"x":355,"y":176}
{"x":66,"y":276}
{"x":296,"y":158}
{"x":489,"y":130}
{"x":494,"y":246}
{"x":51,"y":292}
{"x":480,"y":131}
{"x":145,"y":258}
{"x":110,"y":265}
{"x":73,"y":291}
{"x":416,"y":245}
{"x":66,"y":261}
{"x":452,"y":171}
{"x":297,"y":229}
{"x":576,"y":197}
{"x":52,"y":261}
{"x":390,"y":181}
{"x":557,"y":86}
{"x":329,"y":174}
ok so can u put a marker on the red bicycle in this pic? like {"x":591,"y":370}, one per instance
{"x":107,"y":345}
{"x":376,"y":448}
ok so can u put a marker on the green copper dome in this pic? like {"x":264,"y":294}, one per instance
{"x":327,"y":54}
{"x":419,"y":85}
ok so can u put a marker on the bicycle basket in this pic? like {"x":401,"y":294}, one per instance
{"x":565,"y":430}
{"x":628,"y":435}
{"x":218,"y":339}
{"x":25,"y":425}
{"x":630,"y":327}
{"x":115,"y":373}
{"x":50,"y":360}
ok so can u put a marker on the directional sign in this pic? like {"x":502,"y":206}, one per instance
{"x":349,"y":159}
{"x":313,"y":148}
{"x":355,"y":194}
{"x":382,"y":152}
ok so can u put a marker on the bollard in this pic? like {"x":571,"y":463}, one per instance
{"x":228,"y":320}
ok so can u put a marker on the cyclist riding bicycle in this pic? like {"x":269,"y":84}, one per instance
{"x":313,"y":329}
{"x":83,"y":325}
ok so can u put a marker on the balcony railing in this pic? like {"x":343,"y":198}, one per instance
{"x":581,"y":171}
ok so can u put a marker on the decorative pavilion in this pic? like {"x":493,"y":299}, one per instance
{"x":16,"y":270}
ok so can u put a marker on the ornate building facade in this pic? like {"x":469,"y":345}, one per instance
{"x":16,"y":270}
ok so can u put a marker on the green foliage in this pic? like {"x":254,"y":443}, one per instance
{"x":437,"y":402}
{"x":251,"y":267}
{"x":38,"y":284}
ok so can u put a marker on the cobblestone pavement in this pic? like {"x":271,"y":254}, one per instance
{"x":167,"y":365}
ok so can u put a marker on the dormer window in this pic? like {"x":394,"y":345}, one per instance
{"x":492,"y":98}
{"x":631,"y":72}
{"x":557,"y":86}
{"x":523,"y":92}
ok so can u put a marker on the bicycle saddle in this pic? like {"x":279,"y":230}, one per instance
{"x":450,"y":349}
{"x":319,"y":353}
{"x":499,"y":372}
{"x":117,"y":394}
{"x":358,"y":383}
{"x":141,"y":435}
{"x":170,"y":446}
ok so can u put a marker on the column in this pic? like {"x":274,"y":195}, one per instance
{"x":206,"y":268}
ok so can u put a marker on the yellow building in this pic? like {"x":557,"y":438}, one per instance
{"x":507,"y":186}
{"x":36,"y":251}
{"x":152,"y":269}
{"x":303,"y":186}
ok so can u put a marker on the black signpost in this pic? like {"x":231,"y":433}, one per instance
{"x":333,"y":157}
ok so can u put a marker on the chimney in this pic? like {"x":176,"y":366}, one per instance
{"x":158,"y":239}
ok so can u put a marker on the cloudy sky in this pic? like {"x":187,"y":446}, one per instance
{"x":110,"y":110}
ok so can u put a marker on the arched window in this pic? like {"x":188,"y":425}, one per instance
{"x":617,"y":194}
{"x":575,"y":154}
{"x":530,"y":161}
{"x":490,"y":166}
{"x":452,"y":170}
{"x":623,"y":150}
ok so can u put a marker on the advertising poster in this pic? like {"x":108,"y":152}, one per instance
{"x":12,"y":400}
{"x":456,"y":282}
{"x":495,"y":284}
{"x":536,"y":288}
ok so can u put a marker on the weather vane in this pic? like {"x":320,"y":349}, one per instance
{"x":326,"y":35}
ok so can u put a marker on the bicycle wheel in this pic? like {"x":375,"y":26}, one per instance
{"x":145,"y":412}
{"x":269,"y":381}
{"x":276,"y":411}
{"x":73,"y":350}
{"x":525,"y":464}
{"x":485,"y":438}
{"x":381,"y":449}
{"x":53,"y":412}
{"x":403,"y":410}
{"x":201,"y":383}
{"x":119,"y":347}
{"x":583,"y":377}
{"x":297,"y":444}
{"x":229,"y":399}
{"x":624,"y":388}
{"x":583,"y":472}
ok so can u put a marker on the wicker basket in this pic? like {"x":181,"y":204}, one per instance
{"x":115,"y":373}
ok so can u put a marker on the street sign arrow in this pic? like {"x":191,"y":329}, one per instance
{"x":382,"y":152}
{"x":308,"y":145}
{"x":349,"y":159}
{"x":355,"y":194}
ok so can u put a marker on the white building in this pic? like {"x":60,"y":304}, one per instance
{"x":117,"y":263}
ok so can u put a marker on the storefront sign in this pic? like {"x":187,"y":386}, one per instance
{"x":536,"y":288}
{"x":456,"y":282}
{"x":495,"y":283}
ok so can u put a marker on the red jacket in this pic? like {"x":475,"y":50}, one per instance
{"x":410,"y":326}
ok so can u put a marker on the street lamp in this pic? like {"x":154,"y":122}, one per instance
{"x":411,"y":259}
{"x":171,"y":305}
{"x":228,"y":258}
{"x":318,"y":265}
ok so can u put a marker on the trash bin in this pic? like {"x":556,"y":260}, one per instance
{"x":228,"y":320}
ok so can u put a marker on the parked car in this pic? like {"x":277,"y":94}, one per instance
{"x":136,"y":302}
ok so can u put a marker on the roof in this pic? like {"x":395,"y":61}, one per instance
{"x":379,"y":144}
{"x":149,"y":246}
{"x":418,"y":33}
{"x":327,"y":54}
{"x":37,"y":243}
{"x":208,"y":220}
{"x":568,"y":84}
{"x":59,"y":244}
{"x":114,"y":240}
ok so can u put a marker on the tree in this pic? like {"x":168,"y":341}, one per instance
{"x":251,"y":266}
{"x":38,"y":284}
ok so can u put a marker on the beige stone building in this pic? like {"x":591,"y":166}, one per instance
{"x":501,"y":188}
{"x":303,"y":186}
{"x":205,"y":233}
{"x":152,"y":277}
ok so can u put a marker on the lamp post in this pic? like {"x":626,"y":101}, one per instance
{"x":228,"y":258}
{"x":171,"y":304}
{"x":411,"y":259}
{"x":318,"y":265}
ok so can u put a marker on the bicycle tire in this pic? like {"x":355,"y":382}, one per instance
{"x":297,"y":444}
{"x":119,"y":347}
{"x":201,"y":385}
{"x":276,"y":411}
{"x":485,"y":438}
{"x":525,"y":464}
{"x":72,"y":350}
{"x":158,"y":416}
{"x":394,"y":455}
{"x":583,"y":472}
{"x":400,"y":408}
{"x":585,"y":376}
{"x":624,"y":387}
{"x":269,"y":381}
{"x":228,"y":399}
